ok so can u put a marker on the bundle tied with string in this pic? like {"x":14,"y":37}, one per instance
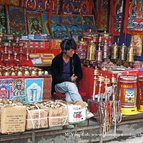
{"x":58,"y":113}
{"x":37,"y":117}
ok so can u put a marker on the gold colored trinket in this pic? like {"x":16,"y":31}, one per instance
{"x":91,"y":51}
{"x":131,"y":54}
{"x":114,"y":51}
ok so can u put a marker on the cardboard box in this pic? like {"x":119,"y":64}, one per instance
{"x":76,"y":113}
{"x":36,"y":119}
{"x":58,"y":116}
{"x":12,"y":119}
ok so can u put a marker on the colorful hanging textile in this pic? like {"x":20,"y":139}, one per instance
{"x":14,"y":2}
{"x":70,"y":7}
{"x":101,"y":21}
{"x":84,"y":8}
{"x":18,"y":89}
{"x":134,"y":17}
{"x":116,"y":16}
{"x":17,"y":23}
{"x":51,"y":4}
{"x":75,"y":7}
{"x":3,"y":21}
{"x":40,"y":5}
{"x":30,"y":4}
{"x":5,"y":88}
{"x":34,"y":90}
{"x":4,"y":2}
{"x":34,"y":22}
{"x":10,"y":2}
{"x":136,"y":41}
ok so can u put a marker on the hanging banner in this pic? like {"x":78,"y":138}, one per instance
{"x":136,"y":41}
{"x":34,"y":90}
{"x":17,"y":20}
{"x":116,"y":16}
{"x":18,"y":90}
{"x":75,"y":7}
{"x":3,"y":19}
{"x":134,"y":17}
{"x":5,"y":88}
{"x":101,"y":20}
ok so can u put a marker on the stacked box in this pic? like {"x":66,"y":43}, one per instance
{"x":12,"y":119}
{"x":58,"y":116}
{"x":57,"y":113}
{"x":36,"y":118}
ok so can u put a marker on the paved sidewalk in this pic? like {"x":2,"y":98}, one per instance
{"x":127,"y":132}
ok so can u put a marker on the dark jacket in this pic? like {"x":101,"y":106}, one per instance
{"x":57,"y":67}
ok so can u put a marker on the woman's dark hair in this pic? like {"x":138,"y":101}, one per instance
{"x":68,"y":44}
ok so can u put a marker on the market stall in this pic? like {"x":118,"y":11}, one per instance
{"x":109,"y":44}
